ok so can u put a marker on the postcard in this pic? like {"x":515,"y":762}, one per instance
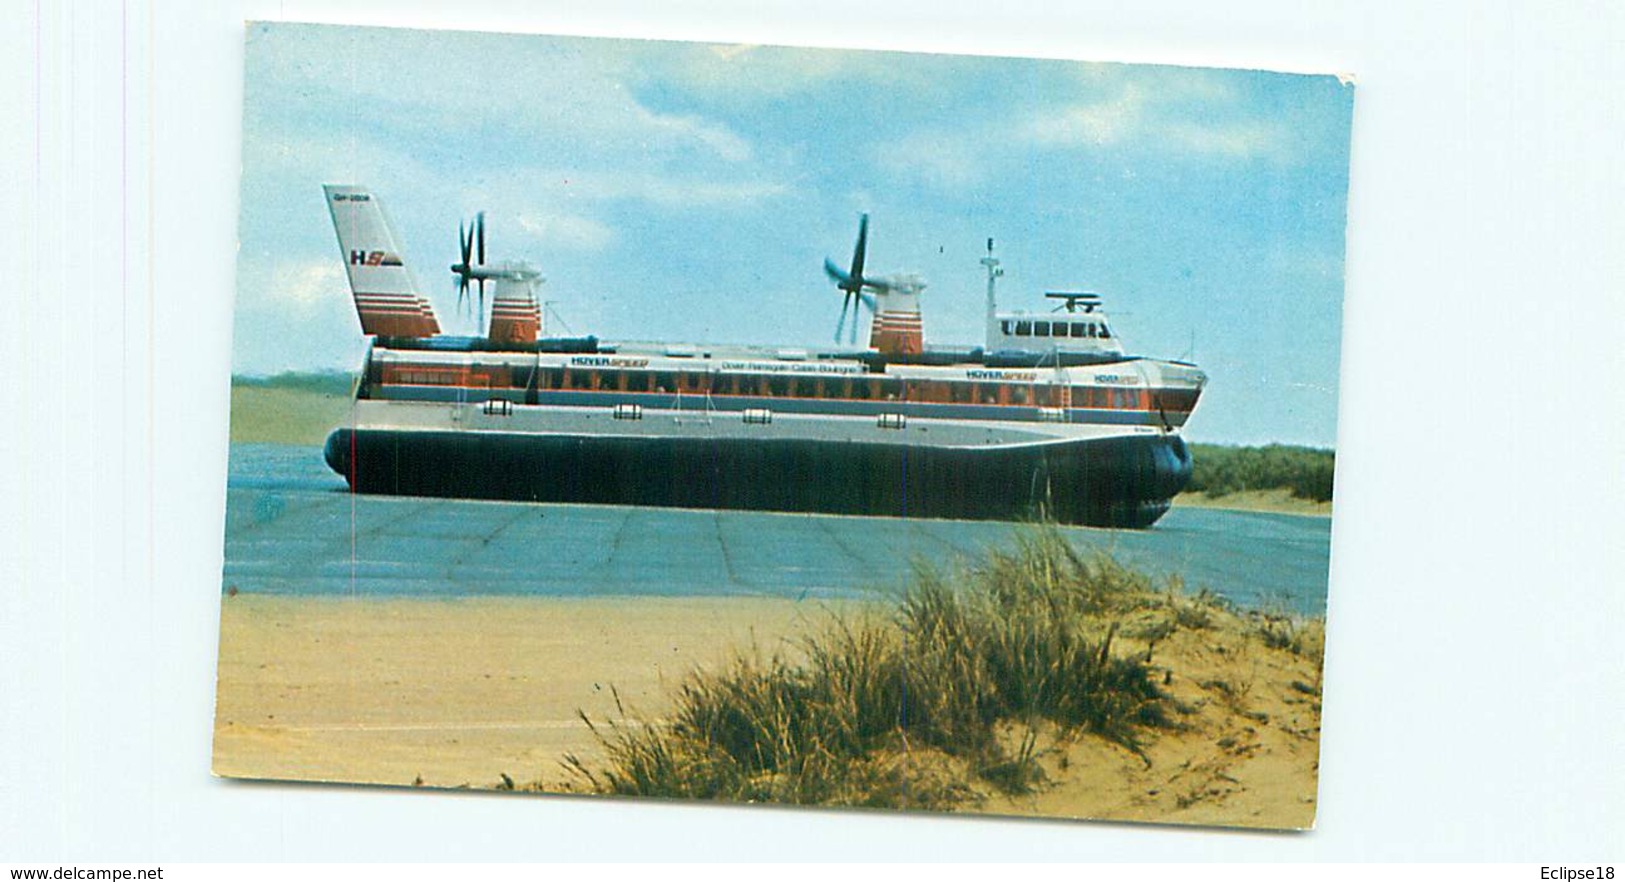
{"x":777,"y":425}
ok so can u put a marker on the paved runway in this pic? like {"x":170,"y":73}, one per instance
{"x":291,"y":528}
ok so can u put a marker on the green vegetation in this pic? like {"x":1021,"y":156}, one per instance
{"x":1280,"y":628}
{"x":1222,"y":470}
{"x":926,"y":705}
{"x":326,"y":383}
{"x":288,"y":408}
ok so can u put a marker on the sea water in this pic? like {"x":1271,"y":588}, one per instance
{"x":292,"y":528}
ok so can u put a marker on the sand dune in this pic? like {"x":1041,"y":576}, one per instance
{"x":460,"y":692}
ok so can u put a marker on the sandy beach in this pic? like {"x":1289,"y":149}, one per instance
{"x":1277,"y":500}
{"x":460,"y":692}
{"x":456,"y":692}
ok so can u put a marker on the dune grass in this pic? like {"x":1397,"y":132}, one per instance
{"x":925,"y":706}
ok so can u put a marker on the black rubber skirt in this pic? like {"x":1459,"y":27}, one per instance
{"x":1113,"y":482}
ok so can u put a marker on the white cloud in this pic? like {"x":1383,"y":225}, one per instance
{"x":322,"y":156}
{"x":293,"y":315}
{"x":296,"y":288}
{"x":1108,"y":121}
{"x":942,"y":161}
{"x":679,"y":129}
{"x":427,"y":84}
{"x":663,"y":190}
{"x":567,"y":231}
{"x":1190,"y":113}
{"x":1199,"y":112}
{"x":1306,"y":265}
{"x":1241,"y":140}
{"x":755,"y":73}
{"x":306,"y":285}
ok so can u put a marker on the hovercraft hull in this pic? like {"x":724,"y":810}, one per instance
{"x":1118,"y":481}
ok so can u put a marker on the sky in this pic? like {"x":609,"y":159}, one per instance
{"x":690,"y":192}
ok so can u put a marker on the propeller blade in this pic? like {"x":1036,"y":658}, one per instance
{"x":862,"y":248}
{"x":836,"y":275}
{"x":853,"y":282}
{"x":479,"y":230}
{"x":464,"y":242}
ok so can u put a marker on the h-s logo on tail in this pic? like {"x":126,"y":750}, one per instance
{"x":386,"y":299}
{"x":374,"y":258}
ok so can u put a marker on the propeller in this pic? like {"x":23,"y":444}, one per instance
{"x":853,"y":283}
{"x":471,"y":245}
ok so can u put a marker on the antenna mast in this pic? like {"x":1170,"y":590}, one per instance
{"x":993,"y":272}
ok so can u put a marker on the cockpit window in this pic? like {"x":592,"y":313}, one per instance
{"x":1104,"y":334}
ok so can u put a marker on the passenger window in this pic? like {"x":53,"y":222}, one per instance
{"x":1024,"y":329}
{"x":1078,"y":330}
{"x":1040,"y":329}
